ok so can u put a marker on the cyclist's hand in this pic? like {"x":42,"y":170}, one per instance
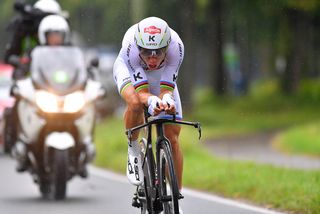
{"x":155,"y":105}
{"x":169,"y":104}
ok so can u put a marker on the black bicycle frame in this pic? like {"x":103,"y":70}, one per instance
{"x":149,"y":156}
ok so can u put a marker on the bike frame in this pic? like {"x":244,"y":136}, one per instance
{"x":155,"y":196}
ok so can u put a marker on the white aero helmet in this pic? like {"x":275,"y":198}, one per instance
{"x":53,"y":23}
{"x":48,"y":6}
{"x":152,"y":33}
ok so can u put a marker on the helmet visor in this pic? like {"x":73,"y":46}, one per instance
{"x":152,"y":52}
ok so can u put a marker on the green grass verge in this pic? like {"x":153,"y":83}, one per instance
{"x":291,"y":190}
{"x":264,"y":109}
{"x":300,"y":140}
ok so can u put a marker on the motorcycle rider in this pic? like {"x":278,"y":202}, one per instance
{"x":53,"y":31}
{"x":24,"y":38}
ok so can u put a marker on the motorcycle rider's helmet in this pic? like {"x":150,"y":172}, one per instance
{"x":48,"y":6}
{"x":53,"y":23}
{"x":152,"y":33}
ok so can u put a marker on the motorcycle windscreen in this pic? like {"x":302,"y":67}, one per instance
{"x":59,"y":69}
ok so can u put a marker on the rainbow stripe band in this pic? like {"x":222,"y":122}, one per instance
{"x":141,"y":85}
{"x":125,"y":85}
{"x":167,"y":85}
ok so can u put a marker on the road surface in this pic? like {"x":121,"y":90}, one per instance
{"x":104,"y":192}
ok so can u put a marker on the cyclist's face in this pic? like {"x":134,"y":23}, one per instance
{"x":153,"y":58}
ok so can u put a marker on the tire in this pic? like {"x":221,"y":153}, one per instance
{"x":59,"y":176}
{"x":169,"y":191}
{"x":147,"y":204}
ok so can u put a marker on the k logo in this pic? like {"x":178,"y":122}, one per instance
{"x":175,"y":77}
{"x":151,"y":38}
{"x":136,"y":77}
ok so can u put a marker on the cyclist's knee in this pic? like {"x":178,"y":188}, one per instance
{"x":172,"y":132}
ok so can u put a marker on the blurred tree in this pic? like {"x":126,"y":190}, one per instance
{"x":100,"y":21}
{"x":137,"y":10}
{"x":188,"y":69}
{"x":299,"y":21}
{"x":6,"y":12}
{"x":216,"y":12}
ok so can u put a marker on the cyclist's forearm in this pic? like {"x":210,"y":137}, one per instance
{"x":164,"y":91}
{"x":144,"y":94}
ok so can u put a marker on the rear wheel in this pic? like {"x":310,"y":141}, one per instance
{"x":169,"y":191}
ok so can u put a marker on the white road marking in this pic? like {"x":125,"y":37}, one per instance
{"x":193,"y":193}
{"x":225,"y":201}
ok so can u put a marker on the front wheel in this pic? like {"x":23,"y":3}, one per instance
{"x":169,"y":191}
{"x":58,"y":177}
{"x":146,"y":193}
{"x":53,"y":185}
{"x":59,"y":174}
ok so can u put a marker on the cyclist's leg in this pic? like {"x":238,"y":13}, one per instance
{"x":133,"y":116}
{"x":134,"y":112}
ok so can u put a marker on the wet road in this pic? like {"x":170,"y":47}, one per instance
{"x":104,"y":192}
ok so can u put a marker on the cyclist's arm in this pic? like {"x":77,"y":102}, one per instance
{"x":174,"y":57}
{"x":141,"y":85}
{"x":169,"y":76}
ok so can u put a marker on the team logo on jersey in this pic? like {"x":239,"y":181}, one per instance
{"x":152,"y":30}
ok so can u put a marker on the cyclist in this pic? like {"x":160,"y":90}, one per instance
{"x":146,"y":72}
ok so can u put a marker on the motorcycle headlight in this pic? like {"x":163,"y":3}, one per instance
{"x":74,"y":102}
{"x":52,"y":103}
{"x":47,"y":102}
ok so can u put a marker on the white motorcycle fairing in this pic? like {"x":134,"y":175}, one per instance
{"x":24,"y":88}
{"x":31,"y":123}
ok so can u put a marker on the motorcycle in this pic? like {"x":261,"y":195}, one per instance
{"x":56,"y":111}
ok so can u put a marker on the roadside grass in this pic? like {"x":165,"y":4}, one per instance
{"x":303,"y":140}
{"x":264,"y":109}
{"x":296,"y":191}
{"x":111,"y":145}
